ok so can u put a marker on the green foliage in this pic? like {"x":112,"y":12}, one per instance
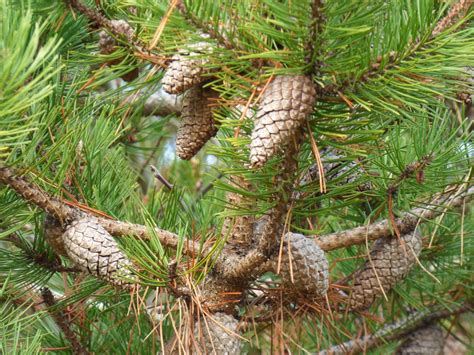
{"x":77,"y":130}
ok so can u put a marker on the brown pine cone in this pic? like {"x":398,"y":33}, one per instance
{"x":284,"y":106}
{"x":53,"y":233}
{"x":94,"y":250}
{"x":217,"y":335}
{"x":390,"y":263}
{"x":107,"y":43}
{"x":182,"y":74}
{"x":197,"y":125}
{"x":187,"y":69}
{"x":308,"y":265}
{"x":428,"y":340}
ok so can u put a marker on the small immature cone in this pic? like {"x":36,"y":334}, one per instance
{"x":428,"y":340}
{"x":107,"y":43}
{"x":308,"y":265}
{"x":197,"y":125}
{"x":53,"y":234}
{"x":284,"y":106}
{"x":218,"y":335}
{"x":95,"y":251}
{"x":390,"y":262}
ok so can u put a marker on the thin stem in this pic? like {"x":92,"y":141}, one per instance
{"x":62,"y":322}
{"x":65,"y":214}
{"x":396,"y":330}
{"x":385,"y":228}
{"x":313,"y":44}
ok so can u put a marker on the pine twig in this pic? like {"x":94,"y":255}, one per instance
{"x":202,"y":192}
{"x":410,"y":170}
{"x":393,"y":60}
{"x":62,"y":322}
{"x":93,"y":15}
{"x":384,"y":228}
{"x":457,"y":11}
{"x":161,"y":178}
{"x":316,"y":28}
{"x":397,"y":330}
{"x":208,"y":29}
{"x":39,"y":258}
{"x":101,"y":21}
{"x":64,"y":213}
{"x":120,"y":31}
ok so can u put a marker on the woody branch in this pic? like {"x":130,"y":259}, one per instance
{"x":397,"y":329}
{"x":406,"y":223}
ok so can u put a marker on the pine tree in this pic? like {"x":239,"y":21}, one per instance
{"x":195,"y":176}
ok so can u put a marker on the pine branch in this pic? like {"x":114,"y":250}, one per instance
{"x":93,"y":15}
{"x":100,"y":20}
{"x":221,"y":39}
{"x":119,"y":30}
{"x":39,"y":258}
{"x":410,"y":170}
{"x":384,"y":228}
{"x":457,"y":11}
{"x":397,"y":330}
{"x":393,"y":61}
{"x":62,"y":322}
{"x":206,"y":28}
{"x":274,"y":222}
{"x":37,"y":196}
{"x":64,"y":213}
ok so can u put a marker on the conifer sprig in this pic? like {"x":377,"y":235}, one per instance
{"x":398,"y":329}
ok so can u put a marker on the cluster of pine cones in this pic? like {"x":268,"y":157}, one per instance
{"x":284,"y":105}
{"x":187,"y":74}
